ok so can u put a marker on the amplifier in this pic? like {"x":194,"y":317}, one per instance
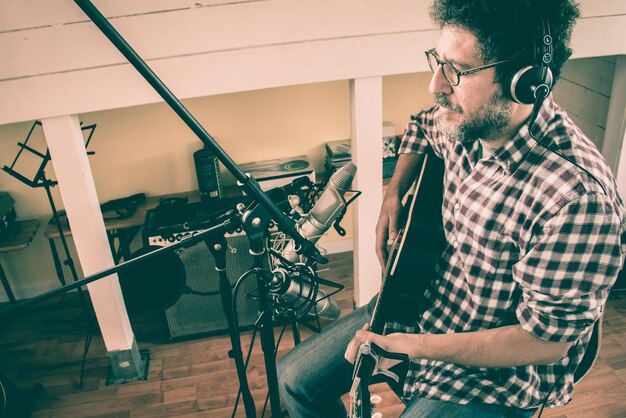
{"x":201,"y":313}
{"x":176,"y":218}
{"x":170,"y":222}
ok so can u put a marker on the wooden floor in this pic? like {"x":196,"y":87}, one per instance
{"x":196,"y":378}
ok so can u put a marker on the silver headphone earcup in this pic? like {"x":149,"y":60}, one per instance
{"x":525,"y":82}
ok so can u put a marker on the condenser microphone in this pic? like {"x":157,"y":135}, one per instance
{"x":327,"y":208}
{"x":302,"y":294}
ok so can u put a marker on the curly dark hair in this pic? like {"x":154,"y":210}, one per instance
{"x":507,"y":29}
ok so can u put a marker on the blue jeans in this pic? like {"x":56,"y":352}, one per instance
{"x":314,"y":375}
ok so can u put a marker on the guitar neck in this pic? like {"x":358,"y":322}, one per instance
{"x":376,"y":325}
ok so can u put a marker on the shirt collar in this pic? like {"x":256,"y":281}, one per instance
{"x":513,"y":152}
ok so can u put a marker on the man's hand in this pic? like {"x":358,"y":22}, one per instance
{"x":395,"y":343}
{"x":353,"y":346}
{"x":387,"y":226}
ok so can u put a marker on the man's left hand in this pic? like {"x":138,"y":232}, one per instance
{"x":395,"y":343}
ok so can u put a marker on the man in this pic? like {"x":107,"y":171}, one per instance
{"x":533,"y":224}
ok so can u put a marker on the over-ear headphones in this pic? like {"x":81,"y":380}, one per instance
{"x":533,"y":83}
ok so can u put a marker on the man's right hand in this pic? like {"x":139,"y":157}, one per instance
{"x":387,"y":226}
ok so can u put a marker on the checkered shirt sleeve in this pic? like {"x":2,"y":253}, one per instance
{"x":566,"y":275}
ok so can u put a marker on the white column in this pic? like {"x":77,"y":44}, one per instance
{"x":621,"y":168}
{"x":366,"y":112}
{"x":73,"y":173}
{"x":613,"y":145}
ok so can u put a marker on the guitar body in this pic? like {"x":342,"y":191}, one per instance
{"x":410,"y":268}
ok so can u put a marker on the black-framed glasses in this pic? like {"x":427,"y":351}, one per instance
{"x":449,"y":72}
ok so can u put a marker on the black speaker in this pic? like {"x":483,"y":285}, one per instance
{"x":200,"y":315}
{"x":208,"y":174}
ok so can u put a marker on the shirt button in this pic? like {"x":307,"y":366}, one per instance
{"x":455,"y":244}
{"x":457,"y":206}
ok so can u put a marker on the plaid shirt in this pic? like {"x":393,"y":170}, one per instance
{"x":532,"y":240}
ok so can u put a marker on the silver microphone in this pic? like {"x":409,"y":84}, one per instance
{"x":295,"y":289}
{"x":298,"y":292}
{"x":327,"y":208}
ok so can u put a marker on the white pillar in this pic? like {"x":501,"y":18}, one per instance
{"x":73,"y":173}
{"x":621,"y":169}
{"x":366,"y":112}
{"x":613,"y":146}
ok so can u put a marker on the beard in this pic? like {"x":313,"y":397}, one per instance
{"x":487,"y":123}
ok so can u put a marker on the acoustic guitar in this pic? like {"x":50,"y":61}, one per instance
{"x":409,"y":268}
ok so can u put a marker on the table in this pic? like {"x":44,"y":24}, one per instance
{"x":121,"y":232}
{"x":17,"y":236}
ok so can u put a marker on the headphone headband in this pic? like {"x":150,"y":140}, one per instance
{"x":545,"y":55}
{"x":532,"y":83}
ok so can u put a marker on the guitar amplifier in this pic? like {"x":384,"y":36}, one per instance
{"x":176,"y":218}
{"x":199,"y":311}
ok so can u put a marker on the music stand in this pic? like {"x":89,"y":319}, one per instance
{"x":41,"y":180}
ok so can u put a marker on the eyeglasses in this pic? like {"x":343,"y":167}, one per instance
{"x":449,"y":72}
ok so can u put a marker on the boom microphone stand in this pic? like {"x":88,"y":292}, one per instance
{"x":250,"y":186}
{"x":255,"y":221}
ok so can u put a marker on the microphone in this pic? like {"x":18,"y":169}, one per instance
{"x":302,"y":293}
{"x":327,"y":208}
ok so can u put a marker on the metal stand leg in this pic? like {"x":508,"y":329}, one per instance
{"x":7,"y":286}
{"x":57,"y":262}
{"x":88,"y":338}
{"x":265,"y":325}
{"x":218,"y":246}
{"x":89,"y":320}
{"x":295,"y":328}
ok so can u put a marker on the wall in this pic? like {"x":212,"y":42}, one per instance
{"x":585,"y":91}
{"x":148,"y":149}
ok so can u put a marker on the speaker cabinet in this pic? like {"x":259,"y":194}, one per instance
{"x":194,"y":316}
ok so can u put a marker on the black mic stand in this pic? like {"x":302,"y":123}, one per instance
{"x":217,"y":245}
{"x":256,"y":222}
{"x":249,"y":185}
{"x":254,"y":225}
